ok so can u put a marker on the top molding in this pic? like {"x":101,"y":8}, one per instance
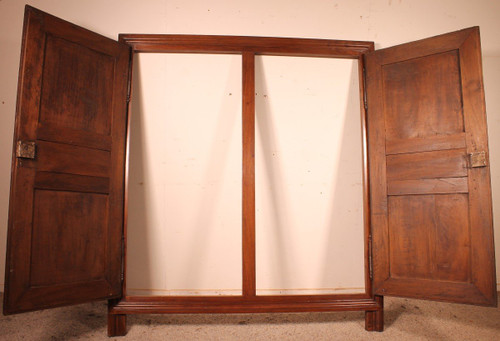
{"x":171,"y":43}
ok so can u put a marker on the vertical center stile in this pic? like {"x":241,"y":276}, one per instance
{"x":248,"y":198}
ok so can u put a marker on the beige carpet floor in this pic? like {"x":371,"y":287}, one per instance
{"x":405,"y":319}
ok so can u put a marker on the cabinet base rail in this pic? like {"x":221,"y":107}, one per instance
{"x":118,"y":310}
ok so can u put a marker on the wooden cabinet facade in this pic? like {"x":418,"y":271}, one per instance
{"x":427,"y":194}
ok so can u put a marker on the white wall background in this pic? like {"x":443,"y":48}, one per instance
{"x":185,"y":175}
{"x":387,"y":22}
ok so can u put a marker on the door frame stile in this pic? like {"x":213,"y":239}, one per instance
{"x":248,"y":175}
{"x":117,"y":323}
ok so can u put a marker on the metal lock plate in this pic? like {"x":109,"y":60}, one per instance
{"x":477,"y":160}
{"x":25,"y":149}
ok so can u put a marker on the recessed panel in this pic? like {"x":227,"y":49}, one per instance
{"x":184,"y":222}
{"x":69,"y":248}
{"x":427,"y":165}
{"x":65,"y":158}
{"x":429,"y":237}
{"x":423,"y":97}
{"x":75,"y":87}
{"x":309,"y":192}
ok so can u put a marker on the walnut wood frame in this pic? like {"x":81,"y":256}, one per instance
{"x":249,"y":301}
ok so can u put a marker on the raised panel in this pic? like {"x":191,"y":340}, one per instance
{"x":76,"y":77}
{"x":423,"y":96}
{"x":429,"y":237}
{"x":64,"y":158}
{"x":73,"y":137}
{"x":71,"y":182}
{"x":427,"y":186}
{"x":427,"y":165}
{"x":425,"y":144}
{"x":69,"y":248}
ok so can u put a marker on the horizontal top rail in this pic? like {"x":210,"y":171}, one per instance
{"x":178,"y":43}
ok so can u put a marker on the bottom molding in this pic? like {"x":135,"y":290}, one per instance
{"x":241,"y":304}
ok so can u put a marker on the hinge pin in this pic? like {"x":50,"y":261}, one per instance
{"x":370,"y":260}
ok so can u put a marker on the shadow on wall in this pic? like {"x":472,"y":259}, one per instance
{"x":137,"y":222}
{"x":339,"y":250}
{"x":349,"y":165}
{"x":206,"y":226}
{"x":491,"y":72}
{"x":185,"y":176}
{"x":265,"y":128}
{"x":336,"y":253}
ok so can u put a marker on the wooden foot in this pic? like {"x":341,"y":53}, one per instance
{"x":374,"y":320}
{"x":117,"y":324}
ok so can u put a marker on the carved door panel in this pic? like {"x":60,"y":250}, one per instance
{"x":431,"y":207}
{"x":66,"y":203}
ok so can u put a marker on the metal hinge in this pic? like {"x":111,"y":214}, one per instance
{"x":128,"y":93}
{"x":25,"y":149}
{"x":122,"y":276}
{"x":365,"y":101}
{"x":129,"y":79}
{"x":370,"y":260}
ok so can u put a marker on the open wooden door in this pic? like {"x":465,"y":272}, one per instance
{"x":66,"y":203}
{"x":430,"y":187}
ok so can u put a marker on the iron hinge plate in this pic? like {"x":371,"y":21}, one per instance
{"x":25,"y":149}
{"x":365,"y":101}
